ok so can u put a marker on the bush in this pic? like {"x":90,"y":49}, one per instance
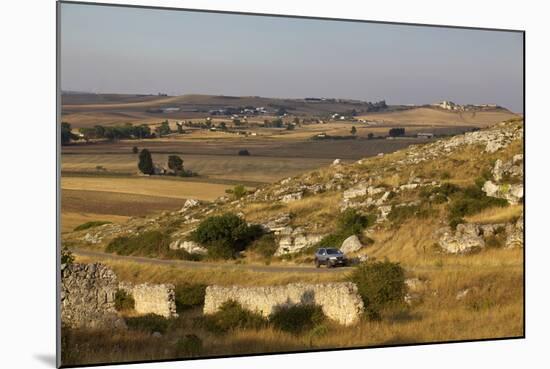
{"x":189,"y":296}
{"x":238,"y":191}
{"x":400,"y":214}
{"x":150,"y":243}
{"x":472,"y":200}
{"x":352,"y":222}
{"x":225,"y":235}
{"x":349,"y":223}
{"x":381,"y":284}
{"x":190,"y":345}
{"x":232,"y":315}
{"x":135,"y":150}
{"x":297,"y":319}
{"x":124,"y":301}
{"x":92,"y":224}
{"x":265,"y":245}
{"x":148,"y":323}
{"x":244,"y":152}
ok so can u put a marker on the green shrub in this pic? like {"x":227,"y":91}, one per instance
{"x":352,"y":222}
{"x":189,"y":296}
{"x":89,"y":225}
{"x":265,"y":245}
{"x":124,"y":301}
{"x":232,"y":315}
{"x":349,"y":223}
{"x":400,"y":214}
{"x":238,"y":191}
{"x":472,"y":200}
{"x":149,"y":323}
{"x":225,"y":235}
{"x":190,"y":345}
{"x":150,"y":243}
{"x":453,"y":222}
{"x":381,"y":284}
{"x":298,"y":318}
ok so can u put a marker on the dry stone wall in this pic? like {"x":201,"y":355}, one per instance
{"x":339,"y":301}
{"x":88,"y":296}
{"x":157,"y":299}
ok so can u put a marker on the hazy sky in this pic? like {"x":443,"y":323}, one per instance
{"x":130,"y":50}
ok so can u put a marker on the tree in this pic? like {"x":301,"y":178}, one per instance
{"x":145,"y":163}
{"x":180,"y":127}
{"x":175,"y":163}
{"x":239,"y":191}
{"x":353,"y":130}
{"x":135,"y":149}
{"x":370,"y":136}
{"x":66,"y":134}
{"x":226,"y":234}
{"x":164,"y":129}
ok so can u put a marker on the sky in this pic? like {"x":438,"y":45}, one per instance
{"x":107,"y":49}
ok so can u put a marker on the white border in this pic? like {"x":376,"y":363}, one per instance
{"x":28,"y":181}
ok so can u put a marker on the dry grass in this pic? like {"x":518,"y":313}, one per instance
{"x":229,"y":167}
{"x":140,"y":273}
{"x":492,"y":309}
{"x":146,"y":186}
{"x":496,"y":215}
{"x":429,"y":116}
{"x":70,"y":220}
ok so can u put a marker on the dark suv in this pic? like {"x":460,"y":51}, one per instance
{"x":330,"y":257}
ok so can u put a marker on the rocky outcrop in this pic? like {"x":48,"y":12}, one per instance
{"x":289,"y":197}
{"x":513,"y":193}
{"x":467,"y":238}
{"x":472,"y":237}
{"x":88,"y":297}
{"x":351,"y":244}
{"x":157,"y":299}
{"x":339,"y":301}
{"x":189,"y":246}
{"x":294,"y":240}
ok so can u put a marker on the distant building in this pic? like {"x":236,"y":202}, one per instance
{"x":424,"y":135}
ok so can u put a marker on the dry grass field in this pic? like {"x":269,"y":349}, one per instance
{"x":175,"y":189}
{"x":430,"y":116}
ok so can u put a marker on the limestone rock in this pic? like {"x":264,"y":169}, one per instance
{"x":467,"y":238}
{"x":189,"y":203}
{"x":292,"y":196}
{"x":189,"y":246}
{"x":351,"y":244}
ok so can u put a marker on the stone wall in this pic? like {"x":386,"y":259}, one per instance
{"x":339,"y":301}
{"x":88,"y":296}
{"x":157,"y":299}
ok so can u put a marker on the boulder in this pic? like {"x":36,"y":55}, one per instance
{"x":351,"y":244}
{"x":466,"y":239}
{"x":357,"y":191}
{"x":336,"y":162}
{"x":189,"y":203}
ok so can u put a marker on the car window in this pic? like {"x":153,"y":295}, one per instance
{"x":322,"y":251}
{"x":332,"y":251}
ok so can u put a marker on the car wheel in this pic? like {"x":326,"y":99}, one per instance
{"x":317,"y":264}
{"x":329,"y":264}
